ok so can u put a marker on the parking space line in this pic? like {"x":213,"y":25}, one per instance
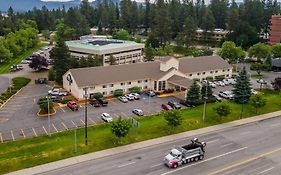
{"x":34,"y":132}
{"x":45,"y":130}
{"x":125,"y":115}
{"x":23,"y":133}
{"x":12,"y":135}
{"x":74,"y":124}
{"x":55,"y":127}
{"x":62,"y":109}
{"x":1,"y":138}
{"x":92,"y":121}
{"x":116,"y":115}
{"x":64,"y":125}
{"x":82,"y":121}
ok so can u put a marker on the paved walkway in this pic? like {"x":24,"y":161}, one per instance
{"x":140,"y":145}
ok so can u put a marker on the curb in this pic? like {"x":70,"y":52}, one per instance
{"x":44,"y":115}
{"x":140,"y":145}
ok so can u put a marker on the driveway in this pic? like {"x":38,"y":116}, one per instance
{"x":4,"y":84}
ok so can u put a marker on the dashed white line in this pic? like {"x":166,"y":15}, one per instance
{"x":23,"y":133}
{"x":225,"y":154}
{"x":64,"y":125}
{"x":212,"y":141}
{"x":45,"y":130}
{"x":55,"y":128}
{"x":74,"y":124}
{"x":82,"y":121}
{"x":120,"y":166}
{"x":264,"y":171}
{"x":225,"y":145}
{"x":12,"y":135}
{"x":34,"y":132}
{"x":1,"y":138}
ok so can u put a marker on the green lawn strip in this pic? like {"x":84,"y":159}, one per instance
{"x":5,"y":67}
{"x":39,"y":150}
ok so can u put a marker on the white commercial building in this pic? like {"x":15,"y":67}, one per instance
{"x":159,"y":75}
{"x":124,"y":52}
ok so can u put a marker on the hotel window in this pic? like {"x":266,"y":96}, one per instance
{"x":104,"y":93}
{"x":111,"y":85}
{"x":104,"y":86}
{"x":228,"y":70}
{"x":139,"y":81}
{"x":145,"y":87}
{"x":223,"y":70}
{"x":122,"y":84}
{"x":211,"y":72}
{"x":198,"y":73}
{"x":111,"y":92}
{"x":129,"y":83}
{"x":92,"y":87}
{"x":227,"y":75}
{"x":145,"y":81}
{"x":204,"y":73}
{"x":155,"y":85}
{"x":216,"y":71}
{"x":190,"y":75}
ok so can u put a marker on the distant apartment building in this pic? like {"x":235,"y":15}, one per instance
{"x":124,"y":52}
{"x":275,"y":30}
{"x":160,"y":75}
{"x":216,"y":35}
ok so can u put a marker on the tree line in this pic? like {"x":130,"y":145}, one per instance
{"x":163,"y":21}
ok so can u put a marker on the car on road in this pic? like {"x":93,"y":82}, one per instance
{"x":150,"y":93}
{"x":218,"y":98}
{"x":174,"y":105}
{"x":136,"y":96}
{"x":138,"y":112}
{"x":103,"y":101}
{"x":185,"y":103}
{"x":73,"y":105}
{"x":106,"y":117}
{"x":123,"y":99}
{"x":41,"y":81}
{"x":166,"y":107}
{"x":129,"y":97}
{"x":95,"y":102}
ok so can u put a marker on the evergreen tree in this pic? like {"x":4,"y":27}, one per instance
{"x":193,"y":94}
{"x":242,"y":88}
{"x":219,"y":10}
{"x":208,"y":23}
{"x":233,"y":16}
{"x":187,"y":36}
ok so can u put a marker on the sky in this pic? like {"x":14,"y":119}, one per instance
{"x":62,"y":0}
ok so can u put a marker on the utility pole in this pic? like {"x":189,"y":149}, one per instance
{"x":205,"y":102}
{"x":49,"y":119}
{"x":86,"y":117}
{"x":75,"y":142}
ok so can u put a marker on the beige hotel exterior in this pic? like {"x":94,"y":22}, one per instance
{"x":159,"y":75}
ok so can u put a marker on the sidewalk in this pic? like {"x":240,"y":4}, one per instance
{"x":113,"y":151}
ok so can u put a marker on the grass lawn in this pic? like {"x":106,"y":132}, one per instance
{"x":5,"y":67}
{"x":39,"y":150}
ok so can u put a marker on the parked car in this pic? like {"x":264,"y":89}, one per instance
{"x":41,"y":81}
{"x":123,"y":99}
{"x":56,"y":98}
{"x":218,"y":98}
{"x":174,"y":104}
{"x":95,"y":102}
{"x":226,"y":94}
{"x":25,"y":61}
{"x":212,"y":84}
{"x":138,"y":112}
{"x":166,"y":107}
{"x":185,"y":103}
{"x":136,"y":96}
{"x":261,"y":81}
{"x":102,"y":101}
{"x":16,"y":68}
{"x":73,"y":105}
{"x":129,"y":97}
{"x":254,"y":92}
{"x":225,"y":81}
{"x":150,"y":93}
{"x":106,"y":117}
{"x":231,"y":81}
{"x":221,"y":83}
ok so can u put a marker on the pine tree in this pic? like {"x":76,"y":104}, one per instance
{"x":242,"y":88}
{"x":193,"y":94}
{"x":187,"y":36}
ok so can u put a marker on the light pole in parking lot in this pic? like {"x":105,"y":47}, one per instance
{"x":205,"y":101}
{"x":86,"y":118}
{"x":49,"y":120}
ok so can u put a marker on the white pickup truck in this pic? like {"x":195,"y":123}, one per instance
{"x":57,"y":92}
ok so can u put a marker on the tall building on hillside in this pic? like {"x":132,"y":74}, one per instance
{"x":275,"y":30}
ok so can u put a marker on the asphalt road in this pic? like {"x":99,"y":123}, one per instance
{"x":252,"y":149}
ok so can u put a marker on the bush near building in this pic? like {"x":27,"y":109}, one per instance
{"x":135,"y":89}
{"x":118,"y":92}
{"x":98,"y":95}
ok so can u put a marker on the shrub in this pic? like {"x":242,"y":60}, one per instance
{"x":219,"y":78}
{"x":65,"y":100}
{"x":43,"y":104}
{"x":209,"y":78}
{"x":118,"y":92}
{"x":98,"y":95}
{"x":135,"y":89}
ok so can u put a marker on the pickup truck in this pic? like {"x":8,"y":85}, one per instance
{"x":59,"y":92}
{"x":192,"y":152}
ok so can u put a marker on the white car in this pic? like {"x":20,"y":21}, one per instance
{"x":123,"y":99}
{"x":138,"y":112}
{"x":226,"y":94}
{"x":106,"y":117}
{"x":59,"y":92}
{"x":129,"y":97}
{"x":254,"y":92}
{"x":136,"y":96}
{"x":231,"y":81}
{"x":212,"y":84}
{"x":221,"y":83}
{"x":225,"y":81}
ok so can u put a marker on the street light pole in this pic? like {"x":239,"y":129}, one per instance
{"x":49,"y":119}
{"x":86,"y":117}
{"x":205,"y":102}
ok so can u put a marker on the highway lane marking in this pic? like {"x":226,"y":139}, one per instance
{"x":264,"y":171}
{"x":1,"y":138}
{"x":12,"y":135}
{"x":156,"y":165}
{"x":55,"y":127}
{"x":212,"y":141}
{"x":245,"y":161}
{"x":120,"y":166}
{"x":206,"y":160}
{"x":276,"y":124}
{"x":64,"y":125}
{"x":92,"y":120}
{"x":225,"y":145}
{"x":34,"y":132}
{"x":82,"y":121}
{"x":23,"y":133}
{"x":45,"y":130}
{"x":74,"y":124}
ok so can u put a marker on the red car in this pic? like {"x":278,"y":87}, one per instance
{"x":166,"y":107}
{"x":73,"y":105}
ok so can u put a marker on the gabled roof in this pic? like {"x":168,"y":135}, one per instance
{"x":181,"y":81}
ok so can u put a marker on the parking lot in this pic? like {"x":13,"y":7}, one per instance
{"x":18,"y":118}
